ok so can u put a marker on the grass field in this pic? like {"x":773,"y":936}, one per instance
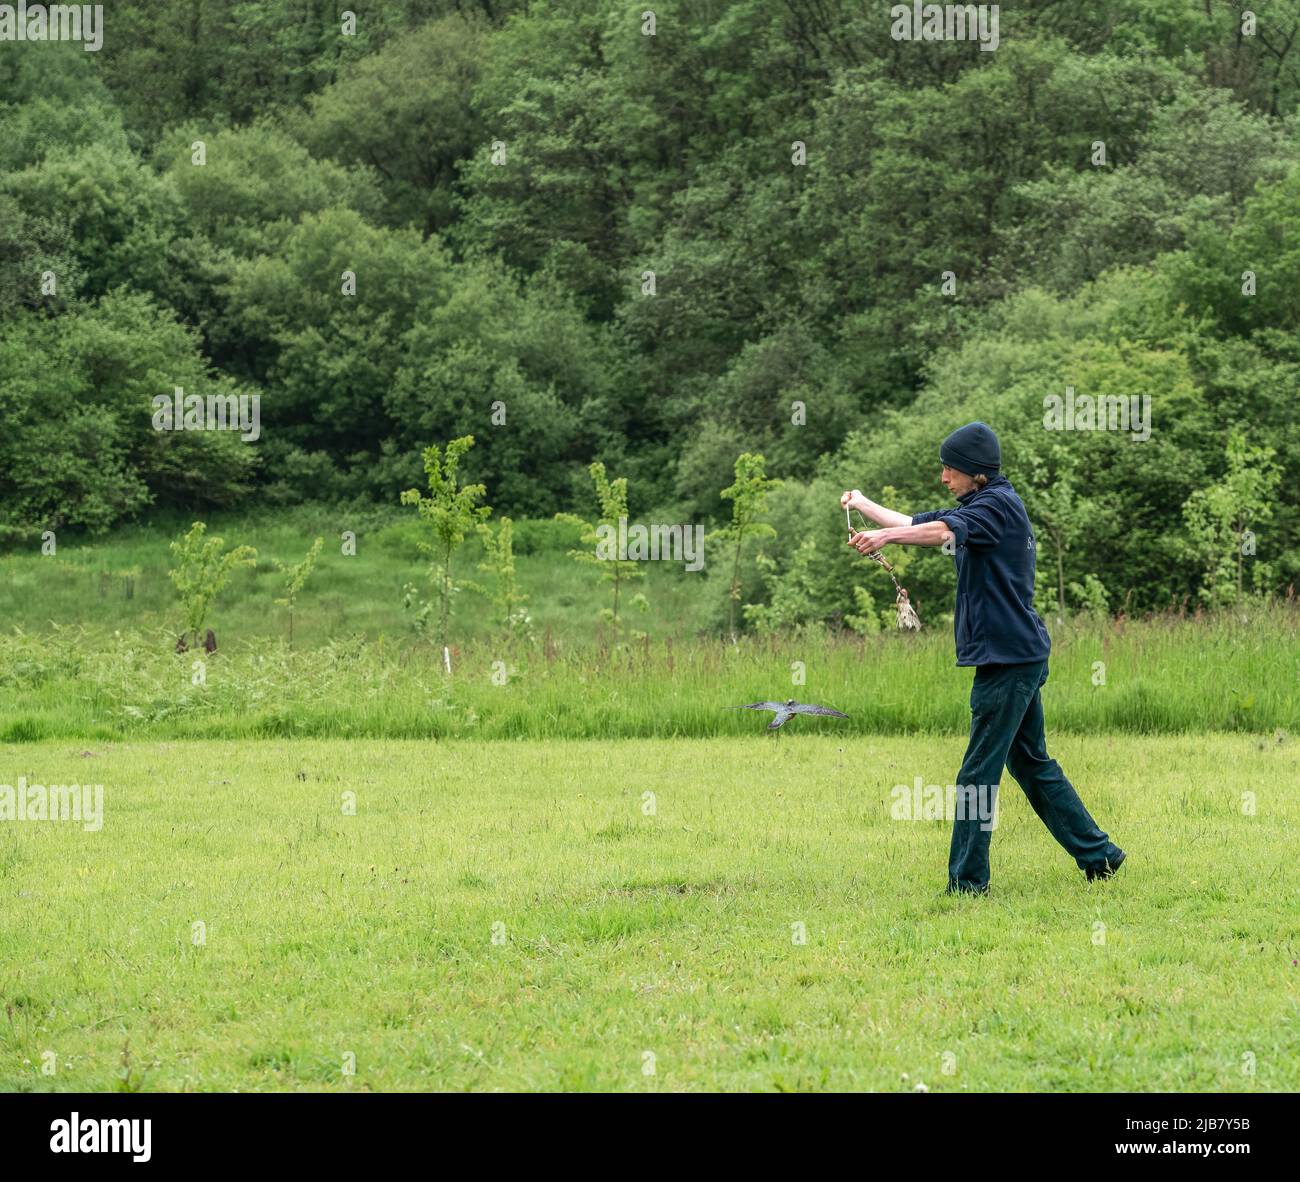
{"x":627,"y":931}
{"x":565,"y":866}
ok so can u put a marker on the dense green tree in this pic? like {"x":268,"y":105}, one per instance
{"x":320,"y":325}
{"x":121,"y":217}
{"x":405,"y":114}
{"x":79,"y":446}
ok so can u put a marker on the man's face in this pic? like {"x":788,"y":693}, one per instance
{"x":957,"y":483}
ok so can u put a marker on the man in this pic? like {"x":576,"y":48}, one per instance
{"x":1000,"y":634}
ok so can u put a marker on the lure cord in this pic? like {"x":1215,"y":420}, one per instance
{"x":907,"y":617}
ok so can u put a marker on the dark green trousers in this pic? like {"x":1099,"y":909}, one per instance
{"x":1006,"y":730}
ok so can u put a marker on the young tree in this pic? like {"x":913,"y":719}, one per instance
{"x":451,"y":512}
{"x":499,"y":562}
{"x":296,"y":577}
{"x":866,"y":620}
{"x":612,"y":496}
{"x":748,"y":497}
{"x":201,"y":571}
{"x":796,"y":594}
{"x":1056,"y":506}
{"x":1218,"y":518}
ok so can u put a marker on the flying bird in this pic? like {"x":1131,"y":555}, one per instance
{"x":786,"y":710}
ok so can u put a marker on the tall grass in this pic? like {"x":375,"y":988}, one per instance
{"x":1232,"y":672}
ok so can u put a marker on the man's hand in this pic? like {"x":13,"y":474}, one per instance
{"x":871,"y":541}
{"x":873,"y":512}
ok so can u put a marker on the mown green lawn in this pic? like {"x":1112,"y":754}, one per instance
{"x":640,"y":948}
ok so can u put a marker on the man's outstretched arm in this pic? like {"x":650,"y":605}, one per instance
{"x":930,"y":533}
{"x":871,"y":511}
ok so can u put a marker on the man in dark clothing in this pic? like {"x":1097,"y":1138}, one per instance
{"x":998,"y":632}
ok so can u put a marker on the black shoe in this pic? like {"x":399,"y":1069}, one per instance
{"x":1107,"y":869}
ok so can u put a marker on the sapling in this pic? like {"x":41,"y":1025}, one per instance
{"x":612,"y":496}
{"x":499,"y":562}
{"x":1218,"y":518}
{"x":451,"y":512}
{"x":748,"y":497}
{"x":296,"y":577}
{"x":201,"y":571}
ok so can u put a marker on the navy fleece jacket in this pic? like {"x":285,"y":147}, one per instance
{"x":995,"y":622}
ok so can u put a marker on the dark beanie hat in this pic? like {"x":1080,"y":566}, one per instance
{"x":972,"y":449}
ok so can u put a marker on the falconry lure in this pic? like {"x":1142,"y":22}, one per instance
{"x":907,"y":617}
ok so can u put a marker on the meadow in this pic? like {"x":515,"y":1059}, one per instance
{"x":87,"y":651}
{"x":332,"y":865}
{"x":120,"y":581}
{"x":731,"y":914}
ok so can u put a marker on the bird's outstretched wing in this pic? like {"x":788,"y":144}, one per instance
{"x":803,"y":708}
{"x":758,"y":706}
